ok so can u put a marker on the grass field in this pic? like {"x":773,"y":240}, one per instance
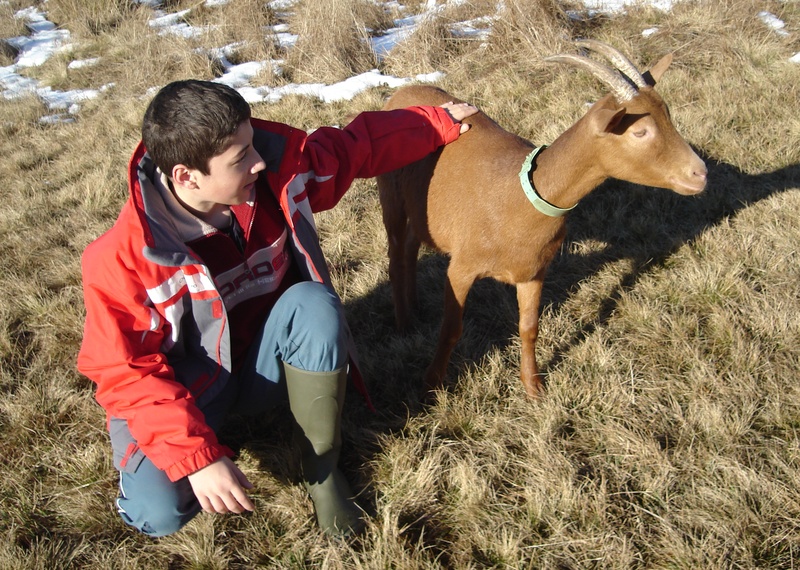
{"x":668,"y":436}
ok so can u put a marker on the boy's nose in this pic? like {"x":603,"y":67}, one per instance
{"x":259,"y":165}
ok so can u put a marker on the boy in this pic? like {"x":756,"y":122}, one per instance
{"x":210,"y":295}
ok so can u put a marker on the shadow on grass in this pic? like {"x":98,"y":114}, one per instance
{"x":642,"y":225}
{"x":646,"y":226}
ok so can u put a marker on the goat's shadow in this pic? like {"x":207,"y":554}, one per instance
{"x":617,"y":214}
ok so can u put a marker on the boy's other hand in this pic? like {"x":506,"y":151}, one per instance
{"x":220,"y":488}
{"x":459,"y":112}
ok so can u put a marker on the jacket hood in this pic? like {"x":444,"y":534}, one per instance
{"x":163,"y":243}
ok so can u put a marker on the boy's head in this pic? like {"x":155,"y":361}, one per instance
{"x":190,"y":122}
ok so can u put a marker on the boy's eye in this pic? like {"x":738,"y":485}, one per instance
{"x":243,"y":153}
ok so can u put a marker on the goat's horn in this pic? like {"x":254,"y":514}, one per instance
{"x":621,"y":89}
{"x":619,"y":61}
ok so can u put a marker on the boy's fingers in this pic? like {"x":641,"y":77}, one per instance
{"x":233,"y":504}
{"x":243,"y":501}
{"x":460,"y":111}
{"x":218,"y":505}
{"x":243,"y":480}
{"x":205,"y":504}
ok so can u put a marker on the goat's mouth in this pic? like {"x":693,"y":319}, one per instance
{"x":688,"y":187}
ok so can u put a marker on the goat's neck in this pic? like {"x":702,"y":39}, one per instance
{"x":565,"y":171}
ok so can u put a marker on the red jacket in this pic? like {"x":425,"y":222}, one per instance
{"x":156,"y":336}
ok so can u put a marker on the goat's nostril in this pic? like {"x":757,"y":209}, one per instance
{"x":699,"y":172}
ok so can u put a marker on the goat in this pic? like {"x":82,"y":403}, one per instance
{"x":496,"y":204}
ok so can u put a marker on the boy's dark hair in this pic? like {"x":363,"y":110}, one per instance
{"x":189,"y":122}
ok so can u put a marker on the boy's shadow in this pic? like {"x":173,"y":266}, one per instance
{"x":617,"y":214}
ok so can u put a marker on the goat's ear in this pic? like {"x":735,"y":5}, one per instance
{"x":607,"y":119}
{"x":605,"y":115}
{"x":653,"y":76}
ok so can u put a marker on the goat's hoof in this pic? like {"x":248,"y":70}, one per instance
{"x":430,"y":397}
{"x":534,"y":388}
{"x":431,"y":393}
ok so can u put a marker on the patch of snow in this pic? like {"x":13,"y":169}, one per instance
{"x":772,"y":21}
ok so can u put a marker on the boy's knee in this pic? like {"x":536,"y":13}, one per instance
{"x":156,"y":526}
{"x":152,"y":504}
{"x":317,"y":335}
{"x":318,"y":318}
{"x":314,"y":296}
{"x":157,"y":522}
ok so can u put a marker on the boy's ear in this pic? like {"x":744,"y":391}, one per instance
{"x":183,"y":176}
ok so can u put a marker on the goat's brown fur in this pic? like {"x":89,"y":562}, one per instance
{"x":466,"y":200}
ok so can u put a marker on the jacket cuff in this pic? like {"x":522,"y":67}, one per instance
{"x":451,"y":129}
{"x":197,"y":461}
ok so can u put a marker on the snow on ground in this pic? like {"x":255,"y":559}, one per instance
{"x":45,"y":40}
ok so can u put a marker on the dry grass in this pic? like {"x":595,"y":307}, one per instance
{"x":10,"y":27}
{"x":668,"y":437}
{"x":90,"y":18}
{"x":242,"y":23}
{"x":332,"y":42}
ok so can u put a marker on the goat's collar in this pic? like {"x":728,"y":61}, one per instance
{"x":526,"y":179}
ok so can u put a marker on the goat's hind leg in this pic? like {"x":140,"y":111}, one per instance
{"x":411,"y":256}
{"x":456,"y":289}
{"x":395,"y":220}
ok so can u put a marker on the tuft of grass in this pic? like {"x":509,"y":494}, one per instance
{"x":332,"y":39}
{"x":90,"y":18}
{"x":245,"y":24}
{"x":432,"y":46}
{"x":12,"y":25}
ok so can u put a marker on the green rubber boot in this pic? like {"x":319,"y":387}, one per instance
{"x":316,"y":400}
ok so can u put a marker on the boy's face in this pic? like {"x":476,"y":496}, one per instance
{"x":231,"y":175}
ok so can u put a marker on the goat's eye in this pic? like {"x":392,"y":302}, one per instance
{"x":640,"y":133}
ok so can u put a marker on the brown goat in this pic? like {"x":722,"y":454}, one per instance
{"x":496,"y":206}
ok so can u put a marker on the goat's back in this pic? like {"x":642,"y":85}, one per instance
{"x":459,"y":197}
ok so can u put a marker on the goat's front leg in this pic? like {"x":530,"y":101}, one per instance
{"x":455,"y":295}
{"x":529,"y":297}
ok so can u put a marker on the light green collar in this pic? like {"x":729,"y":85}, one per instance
{"x":538,"y":202}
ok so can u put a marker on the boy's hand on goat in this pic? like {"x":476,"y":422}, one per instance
{"x":459,"y":112}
